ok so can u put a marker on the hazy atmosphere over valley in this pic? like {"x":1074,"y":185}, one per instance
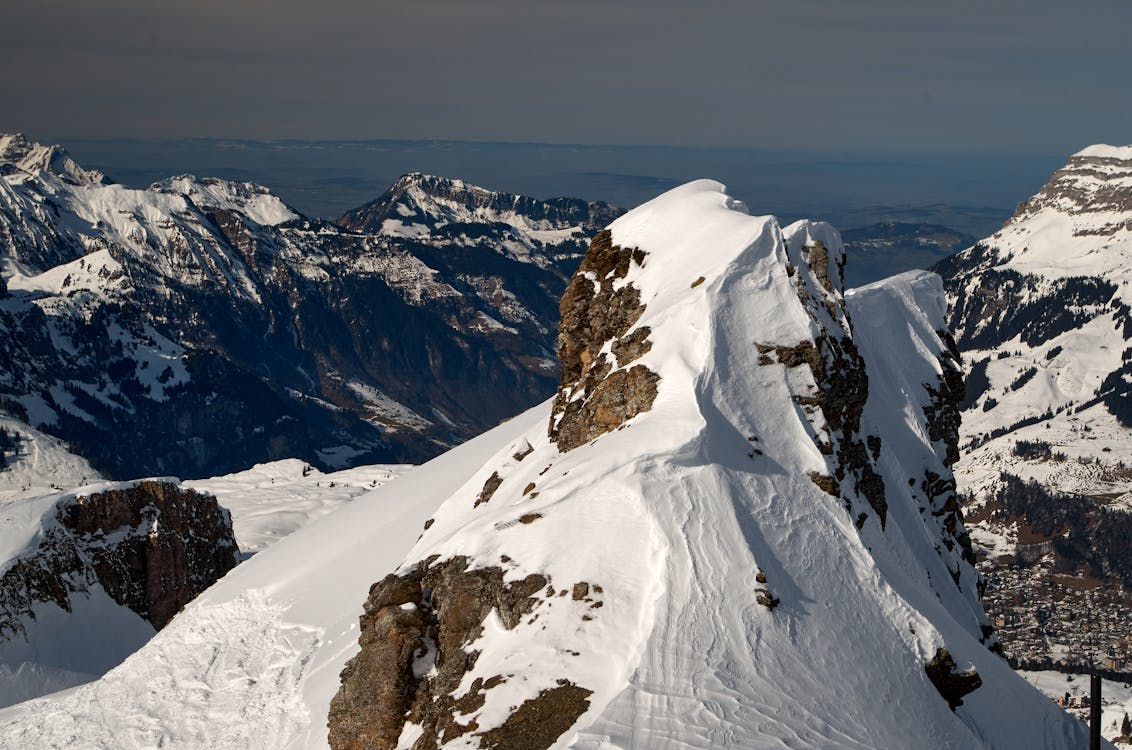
{"x":606,"y":376}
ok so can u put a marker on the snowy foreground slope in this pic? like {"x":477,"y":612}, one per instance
{"x":740,"y":531}
{"x":254,"y":661}
{"x":50,"y":641}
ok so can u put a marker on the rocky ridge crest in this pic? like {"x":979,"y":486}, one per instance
{"x":432,"y":631}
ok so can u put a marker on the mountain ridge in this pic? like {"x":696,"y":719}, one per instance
{"x":156,"y":324}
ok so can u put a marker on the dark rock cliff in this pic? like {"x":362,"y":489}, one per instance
{"x":152,"y":547}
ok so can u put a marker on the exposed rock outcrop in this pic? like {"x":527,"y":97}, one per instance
{"x":418,"y":636}
{"x":597,"y":393}
{"x":177,"y":542}
{"x":153,"y":547}
{"x":839,"y":374}
{"x":949,"y":681}
{"x":541,"y":720}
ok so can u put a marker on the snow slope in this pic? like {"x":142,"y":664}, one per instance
{"x":270,"y":501}
{"x":253,"y":662}
{"x":668,"y":522}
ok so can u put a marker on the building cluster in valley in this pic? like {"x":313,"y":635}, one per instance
{"x":1065,"y":623}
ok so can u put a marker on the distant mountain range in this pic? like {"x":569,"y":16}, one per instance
{"x":200,"y":326}
{"x":970,"y":193}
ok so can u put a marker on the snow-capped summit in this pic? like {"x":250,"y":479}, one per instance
{"x":1041,"y":312}
{"x":448,"y":212}
{"x":21,"y":157}
{"x":738,"y":528}
{"x":1095,"y":191}
{"x":1041,"y":308}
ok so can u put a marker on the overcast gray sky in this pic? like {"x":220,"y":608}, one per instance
{"x":962,"y":75}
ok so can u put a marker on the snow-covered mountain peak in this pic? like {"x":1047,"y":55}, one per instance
{"x":194,"y":267}
{"x":1105,"y":151}
{"x":20,"y":157}
{"x":720,"y":526}
{"x":1080,"y":222}
{"x":254,"y":201}
{"x":453,"y":213}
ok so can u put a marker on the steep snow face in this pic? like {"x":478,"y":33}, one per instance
{"x":762,"y":555}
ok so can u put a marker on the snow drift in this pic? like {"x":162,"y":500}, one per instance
{"x":735,"y":526}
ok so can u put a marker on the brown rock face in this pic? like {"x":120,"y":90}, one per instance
{"x":153,"y":547}
{"x":943,"y":414}
{"x":951,"y":683}
{"x":541,"y":720}
{"x":418,"y":635}
{"x":842,"y":383}
{"x":597,"y":394}
{"x":181,"y":542}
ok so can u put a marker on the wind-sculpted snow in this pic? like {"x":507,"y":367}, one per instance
{"x":714,"y":571}
{"x":227,"y":678}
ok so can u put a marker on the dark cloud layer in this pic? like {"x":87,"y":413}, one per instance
{"x":827,"y":74}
